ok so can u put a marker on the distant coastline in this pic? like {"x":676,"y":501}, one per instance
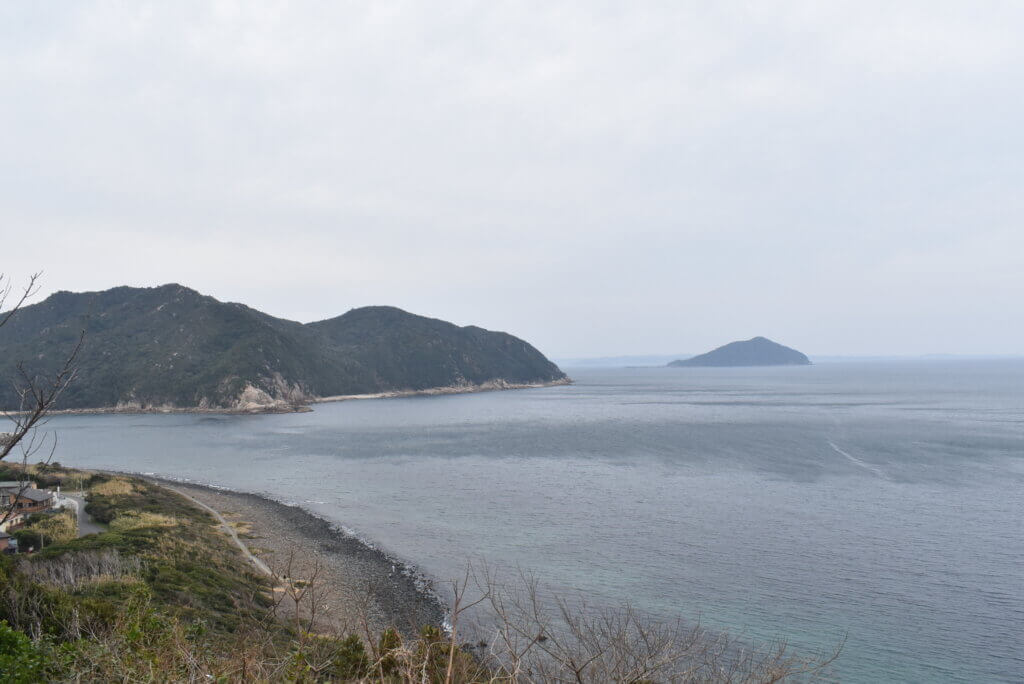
{"x":305,"y":407}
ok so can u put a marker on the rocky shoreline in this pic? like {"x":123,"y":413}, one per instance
{"x":359,"y":588}
{"x":136,"y":410}
{"x":284,"y":407}
{"x":492,"y":386}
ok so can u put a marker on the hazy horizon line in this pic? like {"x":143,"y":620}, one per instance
{"x":655,"y":360}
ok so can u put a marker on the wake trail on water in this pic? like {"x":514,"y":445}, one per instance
{"x":857,"y":462}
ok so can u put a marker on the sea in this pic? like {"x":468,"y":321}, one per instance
{"x":875,"y":504}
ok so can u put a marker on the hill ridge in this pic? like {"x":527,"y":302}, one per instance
{"x":170,"y":347}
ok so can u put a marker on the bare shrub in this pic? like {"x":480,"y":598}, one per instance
{"x":535,"y":637}
{"x":72,"y":569}
{"x":538,"y":638}
{"x":37,"y":395}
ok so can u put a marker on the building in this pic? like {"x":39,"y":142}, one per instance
{"x":23,"y":498}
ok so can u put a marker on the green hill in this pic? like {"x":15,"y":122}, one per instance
{"x":170,"y":346}
{"x":758,"y":351}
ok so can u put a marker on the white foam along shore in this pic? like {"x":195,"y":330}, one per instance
{"x":280,"y":406}
{"x":489,"y":386}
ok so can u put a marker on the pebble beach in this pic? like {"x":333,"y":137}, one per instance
{"x":357,"y":588}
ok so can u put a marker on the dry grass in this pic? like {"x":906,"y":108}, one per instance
{"x":115,"y":487}
{"x":55,"y":527}
{"x":242,"y":527}
{"x":138,"y":519}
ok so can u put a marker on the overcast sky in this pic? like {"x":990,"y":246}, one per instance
{"x":599,"y":178}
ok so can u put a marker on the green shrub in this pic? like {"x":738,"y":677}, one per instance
{"x":28,"y":539}
{"x":390,"y":642}
{"x":21,"y":661}
{"x":46,"y":529}
{"x":350,"y":660}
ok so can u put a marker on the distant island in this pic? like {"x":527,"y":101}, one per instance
{"x":758,"y":351}
{"x":171,"y":348}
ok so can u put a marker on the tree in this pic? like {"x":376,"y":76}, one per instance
{"x":37,"y":396}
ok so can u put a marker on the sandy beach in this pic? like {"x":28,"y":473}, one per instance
{"x":356,"y":588}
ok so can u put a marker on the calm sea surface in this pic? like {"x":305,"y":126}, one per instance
{"x":881,"y":502}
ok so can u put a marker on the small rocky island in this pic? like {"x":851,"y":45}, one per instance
{"x":758,"y":351}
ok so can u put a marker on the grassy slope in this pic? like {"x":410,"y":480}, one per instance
{"x":171,"y":588}
{"x":189,"y":565}
{"x":166,"y":596}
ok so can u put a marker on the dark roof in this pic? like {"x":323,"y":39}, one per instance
{"x":35,"y":494}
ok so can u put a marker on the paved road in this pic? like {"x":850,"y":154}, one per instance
{"x":86,"y":525}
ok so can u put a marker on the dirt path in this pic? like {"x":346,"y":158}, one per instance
{"x":228,"y":529}
{"x":356,"y":589}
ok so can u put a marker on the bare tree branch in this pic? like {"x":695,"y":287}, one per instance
{"x":5,"y":290}
{"x":36,"y":398}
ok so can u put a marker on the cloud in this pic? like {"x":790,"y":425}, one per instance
{"x":600,"y":178}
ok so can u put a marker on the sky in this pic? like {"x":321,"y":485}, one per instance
{"x":599,"y":178}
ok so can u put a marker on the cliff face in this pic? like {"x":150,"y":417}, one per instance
{"x":758,"y":351}
{"x":172,"y":347}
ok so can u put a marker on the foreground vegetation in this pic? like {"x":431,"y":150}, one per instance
{"x":164,"y":595}
{"x":46,"y":529}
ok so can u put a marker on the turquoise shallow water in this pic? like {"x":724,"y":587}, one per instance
{"x":880,"y":502}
